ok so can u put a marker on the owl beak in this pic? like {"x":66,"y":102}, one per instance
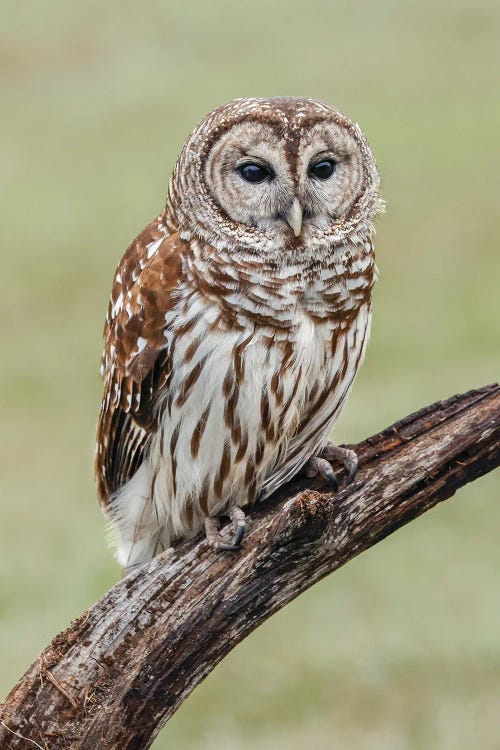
{"x":294,"y":217}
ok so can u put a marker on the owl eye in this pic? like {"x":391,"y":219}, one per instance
{"x":323,"y":170}
{"x":255,"y":172}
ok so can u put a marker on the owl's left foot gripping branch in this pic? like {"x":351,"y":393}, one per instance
{"x":321,"y":464}
{"x":238,"y":518}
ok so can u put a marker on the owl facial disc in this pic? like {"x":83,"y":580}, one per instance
{"x":271,"y":174}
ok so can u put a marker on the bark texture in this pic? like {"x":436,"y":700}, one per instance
{"x":116,"y":675}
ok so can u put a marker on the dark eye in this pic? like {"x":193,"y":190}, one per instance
{"x":254,"y":172}
{"x":323,"y":170}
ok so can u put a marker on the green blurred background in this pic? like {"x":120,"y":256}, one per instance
{"x":400,"y":649}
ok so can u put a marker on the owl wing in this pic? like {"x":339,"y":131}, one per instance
{"x":135,"y":364}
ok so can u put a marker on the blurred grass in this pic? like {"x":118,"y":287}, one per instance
{"x":400,"y":649}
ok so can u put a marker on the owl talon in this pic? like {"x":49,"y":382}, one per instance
{"x":345,"y":456}
{"x":321,"y":464}
{"x":237,"y":516}
{"x":240,"y":533}
{"x":223,"y":547}
{"x":352,"y":472}
{"x":318,"y":465}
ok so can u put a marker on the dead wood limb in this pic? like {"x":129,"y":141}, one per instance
{"x":116,"y":675}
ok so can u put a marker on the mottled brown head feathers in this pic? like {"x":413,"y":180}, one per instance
{"x":212,"y":202}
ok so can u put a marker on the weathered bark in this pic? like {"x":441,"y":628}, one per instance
{"x":116,"y":675}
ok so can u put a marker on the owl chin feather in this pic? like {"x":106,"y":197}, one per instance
{"x":237,"y":322}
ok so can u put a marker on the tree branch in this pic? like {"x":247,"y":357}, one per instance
{"x":117,"y":674}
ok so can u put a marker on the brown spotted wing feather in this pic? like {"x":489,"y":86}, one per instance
{"x":135,"y":364}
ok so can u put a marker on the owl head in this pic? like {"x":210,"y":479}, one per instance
{"x":272,"y":174}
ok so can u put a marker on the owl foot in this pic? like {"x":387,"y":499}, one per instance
{"x":345,"y":456}
{"x":212,"y":526}
{"x":321,"y":464}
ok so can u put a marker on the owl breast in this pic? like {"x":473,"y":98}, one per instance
{"x":248,"y":404}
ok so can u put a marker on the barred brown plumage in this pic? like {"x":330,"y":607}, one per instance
{"x":237,"y":321}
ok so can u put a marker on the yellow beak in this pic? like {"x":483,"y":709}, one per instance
{"x":294,"y":217}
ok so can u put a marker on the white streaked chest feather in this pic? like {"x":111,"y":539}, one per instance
{"x":246,"y":408}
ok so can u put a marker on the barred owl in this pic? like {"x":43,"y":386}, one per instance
{"x":237,"y":322}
